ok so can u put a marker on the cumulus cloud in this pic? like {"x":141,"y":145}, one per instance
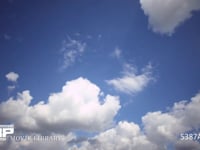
{"x":71,"y":50}
{"x":162,"y":128}
{"x":77,"y":107}
{"x":12,"y":76}
{"x":165,"y":16}
{"x":159,"y":130}
{"x":130,"y":82}
{"x":124,"y":136}
{"x":80,"y":106}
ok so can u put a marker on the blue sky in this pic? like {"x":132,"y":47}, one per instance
{"x":147,"y":55}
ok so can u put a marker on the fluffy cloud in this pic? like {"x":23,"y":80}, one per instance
{"x":163,"y":128}
{"x":161,"y":131}
{"x":165,"y":16}
{"x":71,"y":50}
{"x":77,"y":107}
{"x":131,"y":82}
{"x":124,"y":136}
{"x":12,"y":76}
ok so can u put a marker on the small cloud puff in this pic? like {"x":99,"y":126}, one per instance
{"x":12,"y":76}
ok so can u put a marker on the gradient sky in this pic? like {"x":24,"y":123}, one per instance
{"x":150,"y":60}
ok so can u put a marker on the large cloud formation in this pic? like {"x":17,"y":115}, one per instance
{"x":165,"y":15}
{"x":160,"y":130}
{"x":77,"y":107}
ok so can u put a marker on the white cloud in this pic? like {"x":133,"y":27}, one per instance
{"x":165,"y":15}
{"x":131,"y":82}
{"x":82,"y":106}
{"x":163,"y":128}
{"x":12,"y":76}
{"x":71,"y":50}
{"x":159,"y":129}
{"x":77,"y":107}
{"x":117,"y":53}
{"x":125,"y":136}
{"x":11,"y":88}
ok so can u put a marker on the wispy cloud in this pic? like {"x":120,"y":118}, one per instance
{"x":71,"y":50}
{"x":7,"y":37}
{"x":165,"y":16}
{"x":117,"y":53}
{"x":131,"y":82}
